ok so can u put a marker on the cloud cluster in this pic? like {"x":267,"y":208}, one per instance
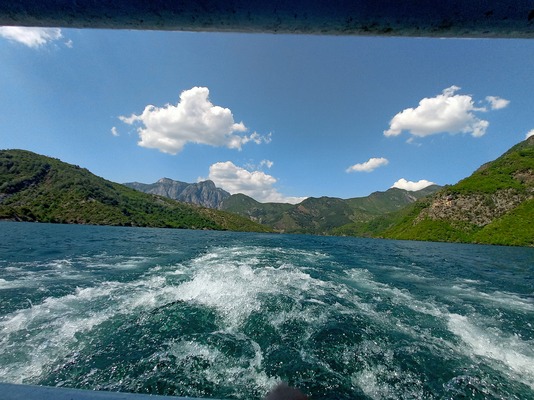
{"x":369,"y":165}
{"x":30,"y":36}
{"x":412,"y":186}
{"x":193,"y":120}
{"x":447,"y":112}
{"x":256,"y":184}
{"x":529,"y":134}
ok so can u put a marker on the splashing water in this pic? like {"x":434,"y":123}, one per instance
{"x":229,"y":315}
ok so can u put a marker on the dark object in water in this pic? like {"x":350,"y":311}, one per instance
{"x":285,"y":392}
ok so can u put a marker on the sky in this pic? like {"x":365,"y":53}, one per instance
{"x":277,"y":117}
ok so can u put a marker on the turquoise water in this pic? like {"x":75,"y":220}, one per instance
{"x":228,"y":315}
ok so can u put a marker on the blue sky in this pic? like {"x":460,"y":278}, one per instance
{"x":278,"y":117}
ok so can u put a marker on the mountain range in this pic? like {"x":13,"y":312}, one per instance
{"x":313,"y":215}
{"x":43,"y":189}
{"x":495,"y":205}
{"x":324,"y":214}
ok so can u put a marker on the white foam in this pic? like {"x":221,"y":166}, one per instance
{"x":43,"y":334}
{"x":188,"y":348}
{"x":310,"y":318}
{"x":382,"y":378}
{"x":514,"y":355}
{"x":48,"y":331}
{"x":130,"y":263}
{"x":382,"y":382}
{"x":470,"y":281}
{"x":4,"y":284}
{"x":12,"y":268}
{"x":506,"y":300}
{"x":365,"y":279}
{"x":59,"y":264}
{"x":367,"y":381}
{"x":230,"y":281}
{"x":234,"y":282}
{"x":105,"y":261}
{"x":225,"y":370}
{"x":409,"y":276}
{"x":234,"y":288}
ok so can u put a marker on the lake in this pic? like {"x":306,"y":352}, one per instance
{"x":228,"y":315}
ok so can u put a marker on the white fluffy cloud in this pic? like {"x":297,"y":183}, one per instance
{"x":368,"y":166}
{"x":193,"y":120}
{"x":114,"y":131}
{"x":30,"y":36}
{"x":412,"y":186}
{"x":529,"y":134}
{"x":496,"y":103}
{"x":447,"y":112}
{"x":255,"y":184}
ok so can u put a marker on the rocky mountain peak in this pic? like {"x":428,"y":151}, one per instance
{"x":203,"y":193}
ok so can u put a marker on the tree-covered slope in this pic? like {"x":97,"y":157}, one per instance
{"x":494,"y":205}
{"x":263,"y":213}
{"x":379,"y":203}
{"x":323,"y":215}
{"x":39,"y":188}
{"x":315,"y":215}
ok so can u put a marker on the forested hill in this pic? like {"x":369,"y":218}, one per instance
{"x":495,"y":205}
{"x":43,"y":189}
{"x":323,"y":215}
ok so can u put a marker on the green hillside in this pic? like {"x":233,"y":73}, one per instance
{"x":263,"y":213}
{"x":324,"y":215}
{"x":38,"y":188}
{"x":495,"y":205}
{"x":316,"y":215}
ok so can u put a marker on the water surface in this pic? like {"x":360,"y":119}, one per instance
{"x":228,"y":315}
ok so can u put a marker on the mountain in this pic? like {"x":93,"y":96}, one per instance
{"x":202,"y":193}
{"x":323,"y":215}
{"x":263,"y":213}
{"x":393,"y":199}
{"x":43,"y":189}
{"x":495,"y":205}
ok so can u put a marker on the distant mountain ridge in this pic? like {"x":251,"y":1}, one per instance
{"x":313,"y":215}
{"x":44,"y":189}
{"x":324,"y":214}
{"x":204,"y":193}
{"x":495,"y":205}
